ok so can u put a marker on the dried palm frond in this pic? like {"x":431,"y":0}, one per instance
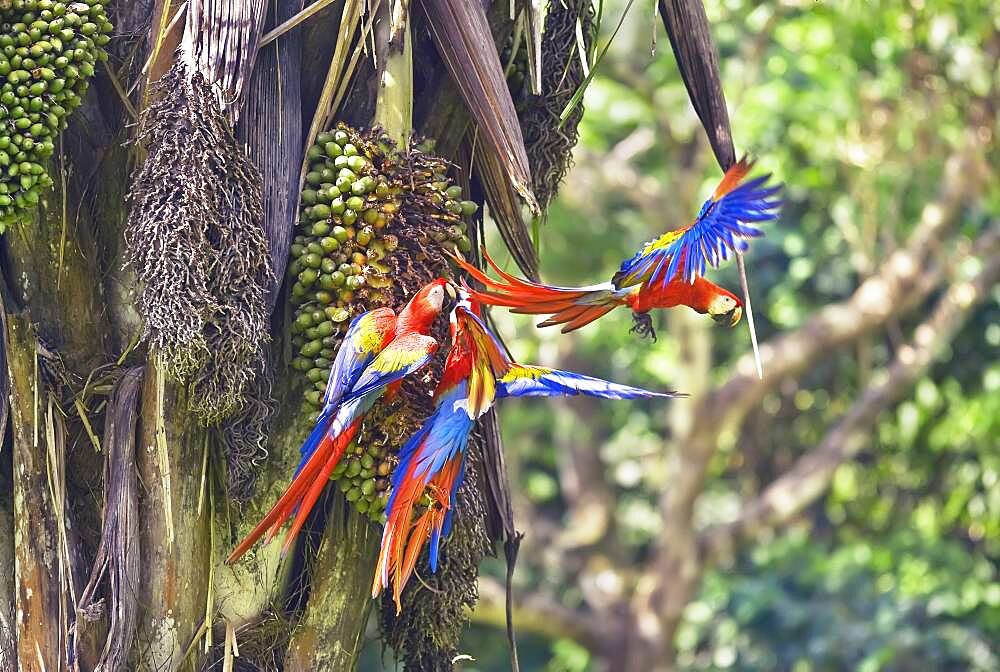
{"x":117,"y":559}
{"x":220,"y":41}
{"x":461,"y":33}
{"x":691,"y":39}
{"x":196,"y":243}
{"x":271,"y":127}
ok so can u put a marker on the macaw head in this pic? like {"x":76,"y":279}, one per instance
{"x":725,"y":308}
{"x":424,"y":306}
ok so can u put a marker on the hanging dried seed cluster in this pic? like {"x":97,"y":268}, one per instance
{"x":47,"y":54}
{"x":372,"y":224}
{"x":196,"y":241}
{"x":548,"y":141}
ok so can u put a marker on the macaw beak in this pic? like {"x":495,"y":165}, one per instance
{"x":451,"y":289}
{"x":730,"y":319}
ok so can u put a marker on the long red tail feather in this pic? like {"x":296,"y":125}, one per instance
{"x":313,"y":476}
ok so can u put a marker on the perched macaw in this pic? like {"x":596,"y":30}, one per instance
{"x":666,"y":272}
{"x":379,"y":349}
{"x":476,"y":372}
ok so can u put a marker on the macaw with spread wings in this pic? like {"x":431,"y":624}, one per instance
{"x":667,"y":272}
{"x":432,"y":463}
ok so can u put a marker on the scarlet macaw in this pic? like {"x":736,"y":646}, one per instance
{"x":379,"y":349}
{"x":666,"y":272}
{"x":476,"y":372}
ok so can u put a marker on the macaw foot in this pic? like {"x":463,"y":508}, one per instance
{"x":642,"y":324}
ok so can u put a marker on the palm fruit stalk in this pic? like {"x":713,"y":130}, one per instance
{"x":48,"y":52}
{"x":371,"y":228}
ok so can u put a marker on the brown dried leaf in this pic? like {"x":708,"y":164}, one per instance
{"x":118,"y":555}
{"x":505,"y":208}
{"x":691,"y":39}
{"x":461,"y":32}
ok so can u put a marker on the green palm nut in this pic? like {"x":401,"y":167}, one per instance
{"x":367,"y":473}
{"x":340,"y":162}
{"x":320,"y":228}
{"x":320,"y":211}
{"x":367,"y":461}
{"x":313,"y":397}
{"x":325,"y":298}
{"x":465,"y":244}
{"x":309,"y":196}
{"x":469,"y":208}
{"x":314,"y":177}
{"x":332,"y":149}
{"x":344,"y":184}
{"x":340,"y":137}
{"x":364,"y":236}
{"x":311,"y":349}
{"x":368,"y":488}
{"x":354,"y":494}
{"x":349,"y":216}
{"x":350,"y":150}
{"x":326,"y":328}
{"x":312,"y":260}
{"x":453,"y":191}
{"x":312,"y":375}
{"x":320,"y":385}
{"x":304,"y":320}
{"x":337,"y":206}
{"x":353,"y":469}
{"x":340,"y":233}
{"x":338,"y":470}
{"x":355,"y":203}
{"x":315,"y":152}
{"x":308,"y":277}
{"x":362,"y":505}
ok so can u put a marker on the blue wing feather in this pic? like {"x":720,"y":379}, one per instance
{"x":361,"y":344}
{"x":536,"y":381}
{"x":721,"y":228}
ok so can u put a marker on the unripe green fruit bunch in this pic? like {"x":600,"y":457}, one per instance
{"x":48,"y":51}
{"x":345,"y":256}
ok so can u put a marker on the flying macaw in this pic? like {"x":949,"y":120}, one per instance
{"x":666,"y":272}
{"x":476,"y":372}
{"x":379,"y":349}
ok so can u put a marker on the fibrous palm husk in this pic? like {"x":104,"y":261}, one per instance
{"x":691,"y":39}
{"x":117,"y":561}
{"x":220,"y":41}
{"x":196,"y":243}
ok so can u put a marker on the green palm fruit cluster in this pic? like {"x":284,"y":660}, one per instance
{"x":360,"y":199}
{"x":48,"y":51}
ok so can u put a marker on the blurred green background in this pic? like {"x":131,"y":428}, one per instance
{"x":857,"y":106}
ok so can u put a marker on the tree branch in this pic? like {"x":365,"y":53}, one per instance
{"x":539,"y":613}
{"x":809,"y":478}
